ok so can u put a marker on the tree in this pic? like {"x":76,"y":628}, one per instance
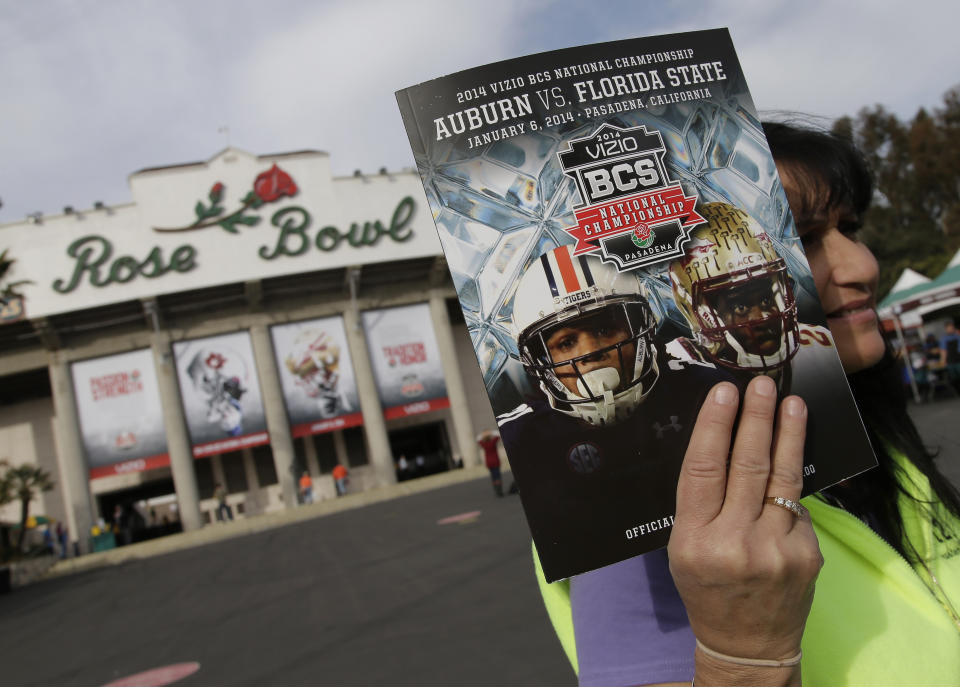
{"x":23,"y":482}
{"x":915,"y":219}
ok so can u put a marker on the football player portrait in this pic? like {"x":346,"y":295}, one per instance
{"x":736,"y":295}
{"x":315,"y":363}
{"x":585,"y":332}
{"x":609,"y":420}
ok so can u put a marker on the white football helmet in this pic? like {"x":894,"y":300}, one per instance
{"x":731,"y":252}
{"x":560,"y":290}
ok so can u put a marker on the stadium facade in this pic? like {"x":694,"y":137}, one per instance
{"x":244,"y":320}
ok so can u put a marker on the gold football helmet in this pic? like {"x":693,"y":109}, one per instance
{"x":733,"y":289}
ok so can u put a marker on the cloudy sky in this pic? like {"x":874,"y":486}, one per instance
{"x":93,"y":91}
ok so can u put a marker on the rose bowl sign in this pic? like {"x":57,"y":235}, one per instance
{"x":234,"y":218}
{"x":631,"y":213}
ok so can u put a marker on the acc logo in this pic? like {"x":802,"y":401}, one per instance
{"x":584,"y":458}
{"x":631,"y":213}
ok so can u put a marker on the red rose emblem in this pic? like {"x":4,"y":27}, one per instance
{"x":642,"y":231}
{"x":215,"y":360}
{"x":216,"y":192}
{"x":267,"y":187}
{"x":272,"y":184}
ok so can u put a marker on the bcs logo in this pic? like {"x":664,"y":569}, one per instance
{"x":632,"y":214}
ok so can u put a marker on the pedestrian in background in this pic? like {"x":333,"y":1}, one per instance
{"x":306,"y":488}
{"x":62,"y":538}
{"x":48,"y":542}
{"x":403,"y":468}
{"x":488,"y":441}
{"x":223,"y":508}
{"x":340,"y":479}
{"x":950,"y":353}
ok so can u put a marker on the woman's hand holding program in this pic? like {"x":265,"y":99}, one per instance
{"x":745,"y":568}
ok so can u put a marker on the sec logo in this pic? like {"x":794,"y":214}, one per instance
{"x":584,"y":458}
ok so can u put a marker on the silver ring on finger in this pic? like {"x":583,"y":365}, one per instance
{"x":797,"y":509}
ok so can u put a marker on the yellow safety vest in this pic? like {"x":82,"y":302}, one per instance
{"x":875,"y":619}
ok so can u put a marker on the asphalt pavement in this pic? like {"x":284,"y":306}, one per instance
{"x":939,"y":425}
{"x":376,"y":595}
{"x":420,"y":584}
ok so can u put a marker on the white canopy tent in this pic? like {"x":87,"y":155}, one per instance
{"x":906,"y":307}
{"x":910,"y":304}
{"x":908,"y":279}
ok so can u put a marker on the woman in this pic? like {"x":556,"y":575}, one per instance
{"x":931,"y":350}
{"x":735,"y":602}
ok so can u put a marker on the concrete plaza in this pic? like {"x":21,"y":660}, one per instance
{"x":385,"y":593}
{"x":429,"y":582}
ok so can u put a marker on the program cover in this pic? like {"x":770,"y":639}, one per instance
{"x":620,"y":241}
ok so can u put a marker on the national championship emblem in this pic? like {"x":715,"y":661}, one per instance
{"x":631,"y":213}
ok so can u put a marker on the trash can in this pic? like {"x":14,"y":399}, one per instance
{"x":103,"y":542}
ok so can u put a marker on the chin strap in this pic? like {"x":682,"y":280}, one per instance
{"x":601,"y":382}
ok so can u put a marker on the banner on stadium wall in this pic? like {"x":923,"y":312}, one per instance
{"x":406,"y":360}
{"x":316,"y":375}
{"x":220,"y":393}
{"x":121,"y":419}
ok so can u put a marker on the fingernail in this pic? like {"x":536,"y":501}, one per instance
{"x":795,"y":407}
{"x":725,"y":394}
{"x":765,"y":386}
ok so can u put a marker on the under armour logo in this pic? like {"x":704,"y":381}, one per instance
{"x":674,"y":425}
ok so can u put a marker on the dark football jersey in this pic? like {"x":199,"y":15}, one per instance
{"x":816,"y":375}
{"x":596,"y":495}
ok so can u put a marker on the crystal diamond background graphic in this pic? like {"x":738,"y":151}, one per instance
{"x":500,"y":207}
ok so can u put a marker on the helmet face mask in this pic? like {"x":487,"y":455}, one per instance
{"x":586,"y":337}
{"x":619,"y":336}
{"x":734,"y":292}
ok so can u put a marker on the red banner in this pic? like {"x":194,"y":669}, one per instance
{"x":636,"y":213}
{"x":416,"y":408}
{"x":232,"y":444}
{"x":136,"y":465}
{"x":306,"y":429}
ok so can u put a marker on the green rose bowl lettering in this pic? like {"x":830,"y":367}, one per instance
{"x":93,"y":258}
{"x":294,"y":240}
{"x":95,"y":262}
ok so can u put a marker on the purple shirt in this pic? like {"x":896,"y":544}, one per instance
{"x":630,"y":625}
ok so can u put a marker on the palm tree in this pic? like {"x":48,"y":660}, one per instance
{"x":6,"y":496}
{"x":10,"y":290}
{"x":24,"y":482}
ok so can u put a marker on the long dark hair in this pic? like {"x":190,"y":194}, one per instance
{"x":835,"y":176}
